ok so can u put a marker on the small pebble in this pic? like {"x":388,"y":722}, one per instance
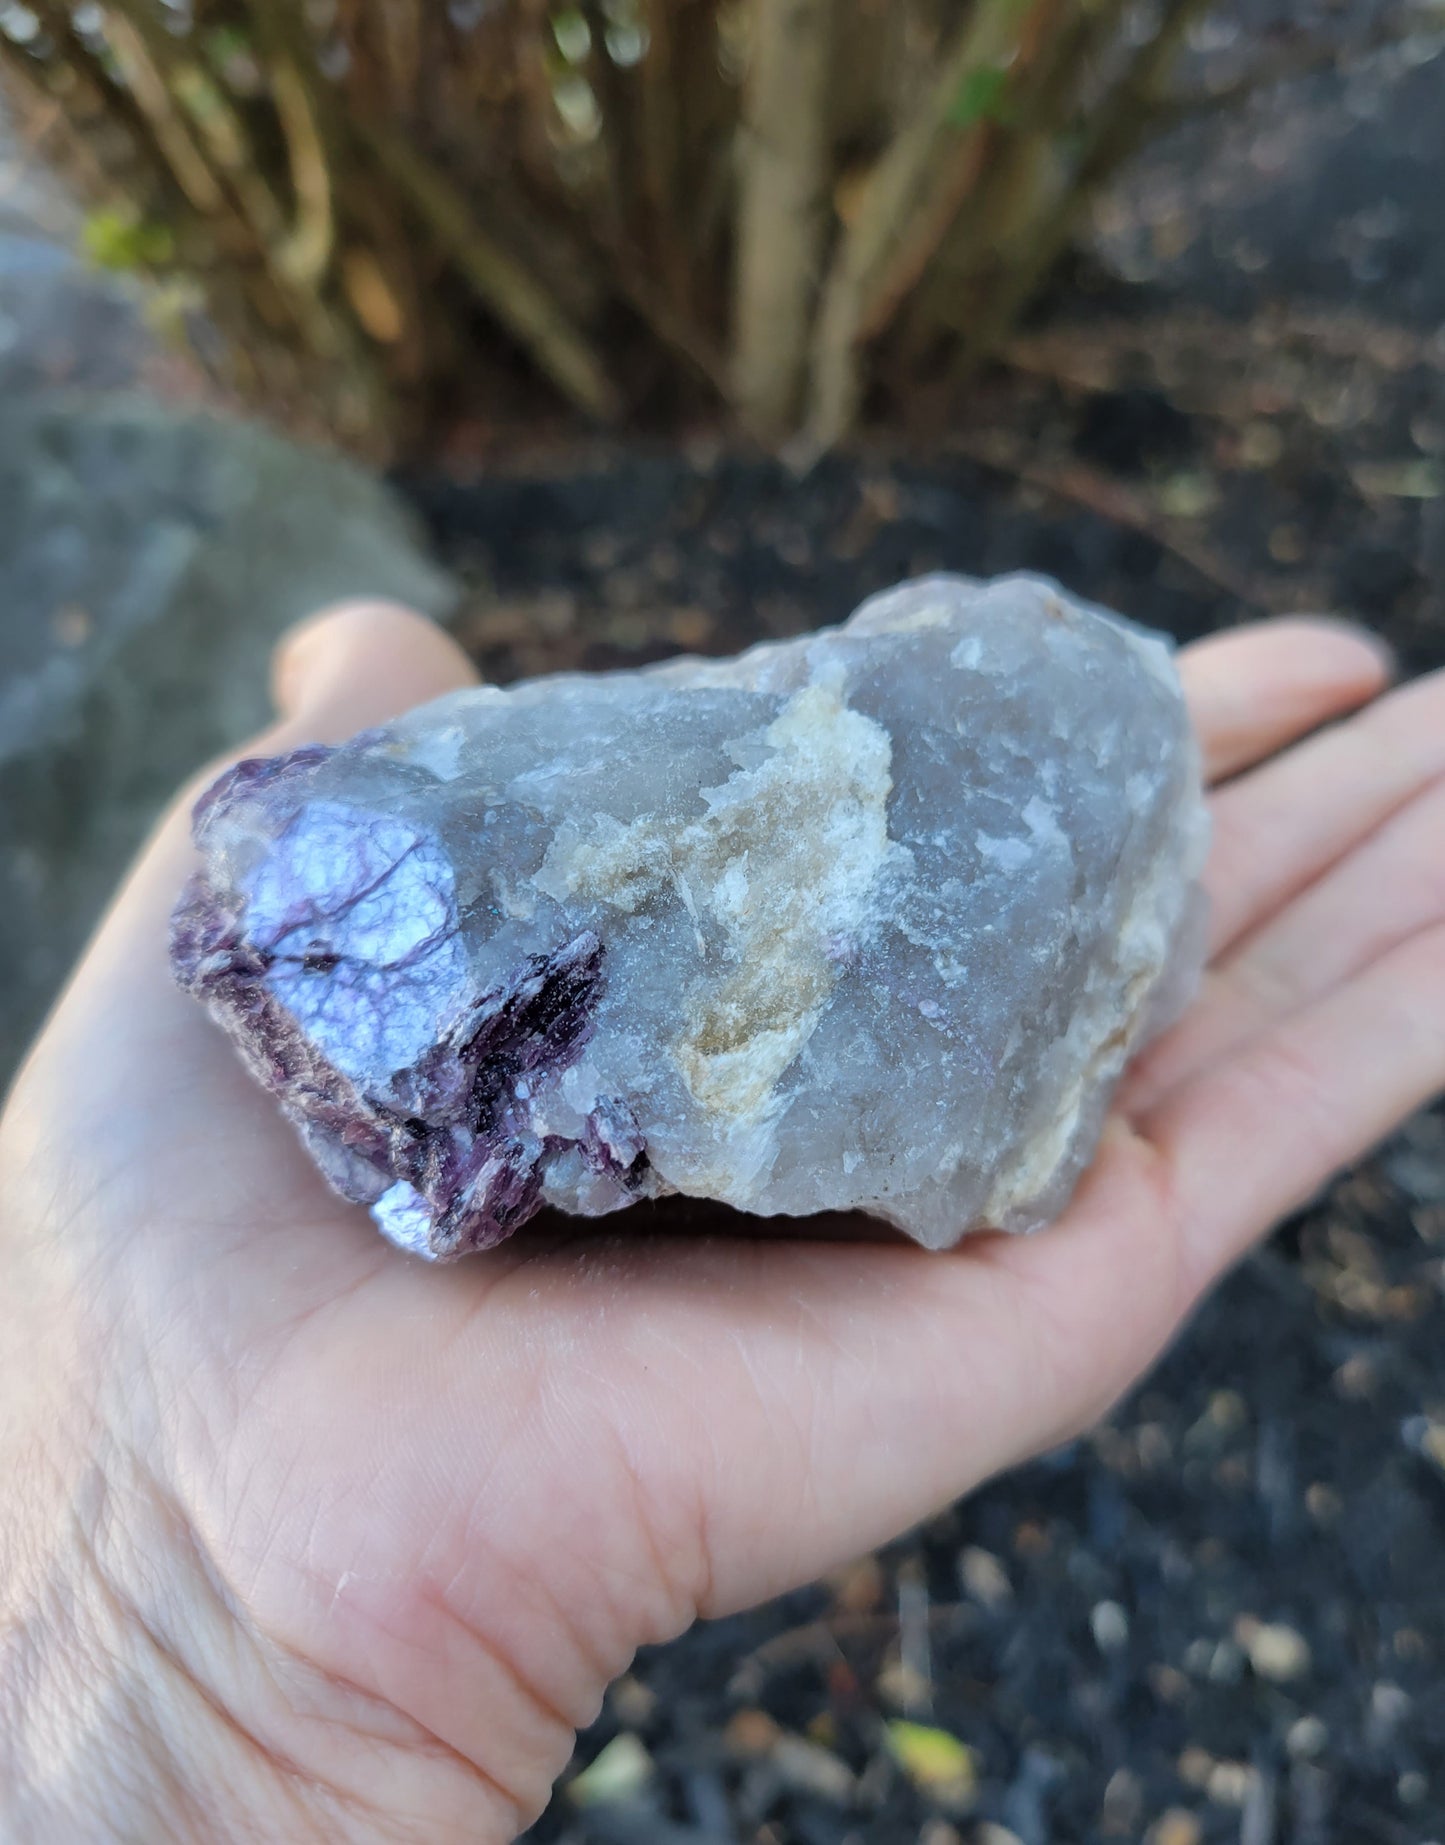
{"x":1261,"y":445}
{"x":1410,"y":1644}
{"x":807,"y":1769}
{"x":1110,"y":1627}
{"x":1357,"y":1378}
{"x":750,"y":1732}
{"x":984,"y":1577}
{"x":990,"y":1833}
{"x":1031,"y":1540}
{"x":1123,"y":1805}
{"x":1229,"y":1783}
{"x":1412,"y":1788}
{"x":1276,"y":1652}
{"x":903,"y":1686}
{"x":1389,"y":1706}
{"x":1176,"y":1826}
{"x":1432,"y":1443}
{"x":939,"y":1832}
{"x":1195,"y":1766}
{"x":1307,"y":1737}
{"x":1227,"y":1410}
{"x":1168,"y":1684}
{"x":1188,"y":495}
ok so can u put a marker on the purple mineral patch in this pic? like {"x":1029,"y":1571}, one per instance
{"x":325,"y":939}
{"x":251,"y":776}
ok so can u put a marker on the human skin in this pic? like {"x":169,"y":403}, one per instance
{"x":303,"y":1539}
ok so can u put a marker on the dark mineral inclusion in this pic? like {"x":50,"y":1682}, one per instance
{"x":873,"y":919}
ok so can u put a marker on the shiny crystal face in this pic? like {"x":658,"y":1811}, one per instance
{"x":870,"y":919}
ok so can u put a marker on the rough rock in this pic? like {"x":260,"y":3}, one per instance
{"x":871,"y":919}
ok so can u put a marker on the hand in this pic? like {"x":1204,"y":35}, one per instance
{"x":303,"y":1539}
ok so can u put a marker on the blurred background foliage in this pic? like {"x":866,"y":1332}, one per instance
{"x":791,"y":211}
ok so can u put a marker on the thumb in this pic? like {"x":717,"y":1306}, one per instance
{"x":356,"y":664}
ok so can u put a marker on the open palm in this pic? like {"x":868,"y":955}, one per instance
{"x":360,"y":1542}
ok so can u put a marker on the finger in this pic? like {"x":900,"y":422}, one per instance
{"x":1282,"y":827}
{"x":1390,"y":889}
{"x":1253,"y":1137}
{"x":1253,"y":690}
{"x":361,"y":663}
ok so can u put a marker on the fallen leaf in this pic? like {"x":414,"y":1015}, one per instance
{"x":937,"y":1763}
{"x":810,"y":1769}
{"x":620,"y":1771}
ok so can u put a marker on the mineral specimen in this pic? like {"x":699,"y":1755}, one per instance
{"x":869,"y":919}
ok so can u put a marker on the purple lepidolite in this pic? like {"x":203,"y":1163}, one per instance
{"x":872,"y":918}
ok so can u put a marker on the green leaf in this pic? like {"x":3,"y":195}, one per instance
{"x":981,"y":98}
{"x":124,"y":240}
{"x":935,"y":1762}
{"x":620,"y":1771}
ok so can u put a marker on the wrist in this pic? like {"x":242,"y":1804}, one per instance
{"x":113,"y":1722}
{"x":137,"y":1701}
